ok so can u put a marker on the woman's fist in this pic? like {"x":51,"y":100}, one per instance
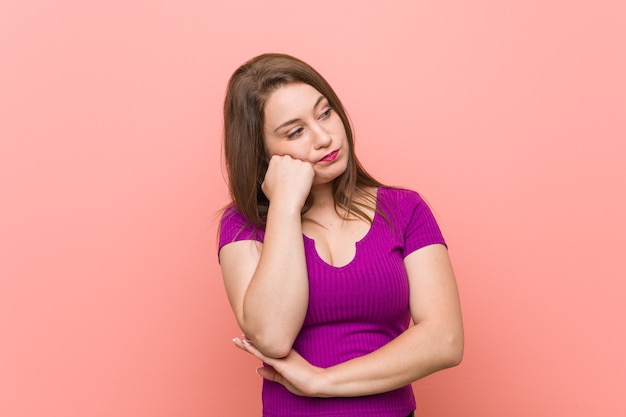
{"x":288,"y":181}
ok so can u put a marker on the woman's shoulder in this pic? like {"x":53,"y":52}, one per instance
{"x":411,"y":214}
{"x":399,"y":197}
{"x":402,"y":204}
{"x":232,"y":212}
{"x":235,"y":226}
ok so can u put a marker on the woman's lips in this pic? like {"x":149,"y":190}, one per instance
{"x":330,"y":157}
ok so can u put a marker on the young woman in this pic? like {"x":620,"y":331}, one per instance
{"x":324,"y":266}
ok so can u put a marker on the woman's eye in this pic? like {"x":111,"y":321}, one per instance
{"x":295,"y":133}
{"x":326,"y":113}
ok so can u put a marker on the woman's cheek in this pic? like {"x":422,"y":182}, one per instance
{"x":291,"y":149}
{"x":302,"y":156}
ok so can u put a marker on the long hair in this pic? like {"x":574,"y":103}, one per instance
{"x":246,"y":161}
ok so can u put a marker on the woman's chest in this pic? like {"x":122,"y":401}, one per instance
{"x":372,"y":286}
{"x":335,"y":239}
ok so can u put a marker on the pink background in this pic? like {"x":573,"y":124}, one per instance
{"x":509,"y":116}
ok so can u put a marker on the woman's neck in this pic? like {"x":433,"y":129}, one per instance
{"x":322,"y":196}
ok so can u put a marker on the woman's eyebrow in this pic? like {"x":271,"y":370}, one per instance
{"x":288,"y":122}
{"x":319,"y":100}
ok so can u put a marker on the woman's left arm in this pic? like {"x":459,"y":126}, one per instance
{"x":434,"y":343}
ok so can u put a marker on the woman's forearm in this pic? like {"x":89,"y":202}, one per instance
{"x":276,"y":300}
{"x":418,"y":352}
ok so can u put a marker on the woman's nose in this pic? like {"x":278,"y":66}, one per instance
{"x":322,"y":138}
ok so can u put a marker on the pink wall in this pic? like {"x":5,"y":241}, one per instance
{"x":509,"y":116}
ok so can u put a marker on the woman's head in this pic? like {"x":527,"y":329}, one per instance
{"x":248,"y":91}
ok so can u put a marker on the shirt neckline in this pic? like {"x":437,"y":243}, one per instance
{"x":357,"y":243}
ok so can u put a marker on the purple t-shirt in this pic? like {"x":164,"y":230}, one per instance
{"x":353,"y":309}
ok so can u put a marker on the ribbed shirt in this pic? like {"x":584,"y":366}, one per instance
{"x":356,"y":308}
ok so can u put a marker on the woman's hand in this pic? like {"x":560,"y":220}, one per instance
{"x":288,"y":180}
{"x":293,"y":371}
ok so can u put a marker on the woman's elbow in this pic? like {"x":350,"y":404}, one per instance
{"x":452,"y":351}
{"x":275,"y":351}
{"x":271,"y":345}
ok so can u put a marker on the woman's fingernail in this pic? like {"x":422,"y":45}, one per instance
{"x":237,"y":340}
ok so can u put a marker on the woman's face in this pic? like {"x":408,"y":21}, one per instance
{"x":299,"y":122}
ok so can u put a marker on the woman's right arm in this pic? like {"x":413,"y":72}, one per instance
{"x":267,"y":284}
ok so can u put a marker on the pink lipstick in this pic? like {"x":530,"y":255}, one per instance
{"x":330,"y":157}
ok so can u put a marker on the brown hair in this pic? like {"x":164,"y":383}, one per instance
{"x":246,"y":161}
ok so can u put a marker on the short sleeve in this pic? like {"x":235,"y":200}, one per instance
{"x":234,"y":227}
{"x":413,"y":217}
{"x":421,"y":228}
